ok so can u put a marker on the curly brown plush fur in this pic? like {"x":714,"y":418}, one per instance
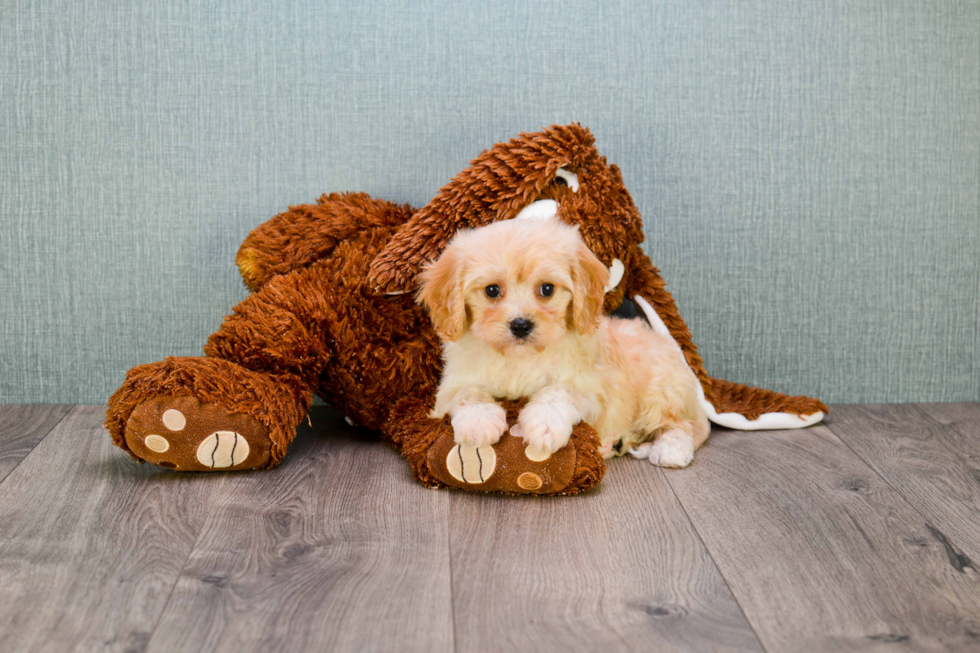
{"x":332,"y":313}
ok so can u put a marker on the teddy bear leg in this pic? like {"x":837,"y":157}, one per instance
{"x":438,"y":461}
{"x":238,"y":407}
{"x":205,"y":414}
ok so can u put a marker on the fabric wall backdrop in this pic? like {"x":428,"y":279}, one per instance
{"x":808,"y":171}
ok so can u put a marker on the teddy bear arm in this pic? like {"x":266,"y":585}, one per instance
{"x":306,"y":233}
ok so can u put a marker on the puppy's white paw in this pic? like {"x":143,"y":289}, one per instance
{"x":672,"y":449}
{"x":479,"y":425}
{"x":545,"y":427}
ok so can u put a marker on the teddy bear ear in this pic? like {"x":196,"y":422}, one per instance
{"x":497,"y":185}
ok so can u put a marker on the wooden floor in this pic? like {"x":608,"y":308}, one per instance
{"x":858,"y":534}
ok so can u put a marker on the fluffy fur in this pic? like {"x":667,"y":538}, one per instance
{"x":519,"y":306}
{"x":331,"y":312}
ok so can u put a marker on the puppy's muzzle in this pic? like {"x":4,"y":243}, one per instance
{"x":521,"y":327}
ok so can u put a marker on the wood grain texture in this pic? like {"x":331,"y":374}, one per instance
{"x":812,"y":542}
{"x":21,"y":428}
{"x":820,"y":552}
{"x":618,"y":569}
{"x":91,"y":542}
{"x":934,"y":465}
{"x":964,"y":418}
{"x":339,"y":550}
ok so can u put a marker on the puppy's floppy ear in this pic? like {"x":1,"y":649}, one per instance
{"x":589,"y":280}
{"x":498,"y":184}
{"x":442,"y":293}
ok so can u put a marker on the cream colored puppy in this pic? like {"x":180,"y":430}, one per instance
{"x":518,"y":305}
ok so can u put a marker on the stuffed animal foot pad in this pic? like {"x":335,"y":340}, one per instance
{"x":185,"y":434}
{"x":502,"y":467}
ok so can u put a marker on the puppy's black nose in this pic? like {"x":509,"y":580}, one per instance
{"x":521,"y":327}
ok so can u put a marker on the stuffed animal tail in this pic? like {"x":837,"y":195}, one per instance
{"x":743,"y":407}
{"x":738,"y":406}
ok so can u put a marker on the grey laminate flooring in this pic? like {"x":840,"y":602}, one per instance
{"x":858,"y":534}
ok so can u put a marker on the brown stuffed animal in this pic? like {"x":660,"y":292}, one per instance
{"x":332,"y":312}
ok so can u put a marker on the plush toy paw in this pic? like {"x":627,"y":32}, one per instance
{"x":506,"y":466}
{"x":184,"y":434}
{"x":672,"y":449}
{"x":479,"y":425}
{"x":502,"y":467}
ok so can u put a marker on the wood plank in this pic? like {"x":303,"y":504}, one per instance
{"x":91,"y":542}
{"x":343,"y":550}
{"x":964,"y":438}
{"x":820,"y":552}
{"x":935,"y":466}
{"x":967,"y":412}
{"x":21,"y":428}
{"x":618,"y":569}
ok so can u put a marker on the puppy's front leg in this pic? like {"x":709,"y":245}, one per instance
{"x":547,"y":420}
{"x":477,"y":419}
{"x":674,"y":448}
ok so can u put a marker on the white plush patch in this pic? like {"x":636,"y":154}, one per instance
{"x":534,"y":454}
{"x":616,"y":271}
{"x":471,"y":464}
{"x":540,"y":210}
{"x":222,"y":449}
{"x":349,"y":421}
{"x":479,"y":425}
{"x":570,"y":178}
{"x":156,"y":443}
{"x":174,"y":420}
{"x":652,"y":317}
{"x":765,"y":422}
{"x":672,"y":449}
{"x":537,"y":454}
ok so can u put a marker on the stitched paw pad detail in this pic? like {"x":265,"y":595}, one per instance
{"x":222,"y":449}
{"x":470,"y":464}
{"x":184,"y":434}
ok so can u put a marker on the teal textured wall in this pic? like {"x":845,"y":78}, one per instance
{"x":808,"y":171}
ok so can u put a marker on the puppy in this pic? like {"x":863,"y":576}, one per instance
{"x":518,"y":305}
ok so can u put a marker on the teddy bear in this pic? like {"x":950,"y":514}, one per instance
{"x":332,"y":312}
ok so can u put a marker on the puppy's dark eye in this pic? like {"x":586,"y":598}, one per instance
{"x":547,"y":290}
{"x":492,"y":291}
{"x":560,"y":181}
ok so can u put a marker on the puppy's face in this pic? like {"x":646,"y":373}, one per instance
{"x":518,"y":285}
